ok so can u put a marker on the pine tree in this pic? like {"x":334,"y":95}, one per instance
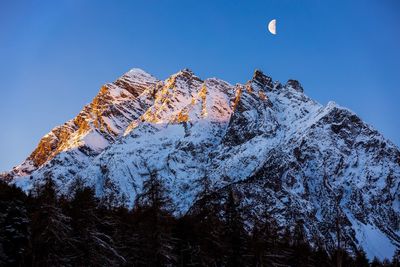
{"x":320,"y":257}
{"x":93,"y":229}
{"x":361,"y":259}
{"x":265,"y":248}
{"x":234,"y":230}
{"x":126,"y":235}
{"x":155,"y":208}
{"x":376,"y":262}
{"x":208,"y":228}
{"x":386,"y":263}
{"x":396,"y":259}
{"x":154,"y":195}
{"x":188,"y":246}
{"x":14,"y":226}
{"x":52,"y":240}
{"x":301,"y":250}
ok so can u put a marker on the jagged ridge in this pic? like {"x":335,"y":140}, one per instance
{"x":282,"y":152}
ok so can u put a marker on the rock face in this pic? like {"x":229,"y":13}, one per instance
{"x":282,"y":152}
{"x":99,"y":123}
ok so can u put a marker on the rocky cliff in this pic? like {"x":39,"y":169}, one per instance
{"x":283,"y":153}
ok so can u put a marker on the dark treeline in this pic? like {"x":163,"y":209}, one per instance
{"x":42,"y":229}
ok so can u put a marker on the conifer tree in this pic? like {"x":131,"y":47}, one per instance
{"x":208,"y":226}
{"x":96,"y":246}
{"x":155,"y":208}
{"x":361,"y":259}
{"x":51,"y":239}
{"x":14,"y":226}
{"x":376,"y":262}
{"x":234,"y":230}
{"x":301,"y":255}
{"x":396,"y":259}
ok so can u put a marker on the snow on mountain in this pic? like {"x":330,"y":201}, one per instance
{"x":282,"y":152}
{"x":99,"y":123}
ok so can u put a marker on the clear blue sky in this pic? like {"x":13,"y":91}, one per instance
{"x":55,"y":55}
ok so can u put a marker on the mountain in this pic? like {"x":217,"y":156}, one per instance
{"x":284,"y":155}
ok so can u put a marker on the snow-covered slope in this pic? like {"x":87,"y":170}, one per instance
{"x":281,"y":151}
{"x":99,"y":123}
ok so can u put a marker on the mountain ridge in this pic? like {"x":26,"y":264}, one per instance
{"x":283,"y":153}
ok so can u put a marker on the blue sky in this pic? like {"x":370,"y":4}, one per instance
{"x":55,"y":55}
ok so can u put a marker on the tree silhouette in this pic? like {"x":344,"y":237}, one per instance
{"x":155,"y":208}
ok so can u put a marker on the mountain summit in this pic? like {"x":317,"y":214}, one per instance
{"x":281,"y":152}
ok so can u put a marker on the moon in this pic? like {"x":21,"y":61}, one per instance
{"x":272,"y":26}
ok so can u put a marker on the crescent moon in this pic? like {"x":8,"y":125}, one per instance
{"x":272,"y":26}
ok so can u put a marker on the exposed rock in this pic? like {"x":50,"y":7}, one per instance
{"x":295,"y":85}
{"x":284,"y":154}
{"x":262,"y":80}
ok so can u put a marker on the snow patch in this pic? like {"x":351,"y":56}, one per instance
{"x":373,"y":241}
{"x":95,"y":141}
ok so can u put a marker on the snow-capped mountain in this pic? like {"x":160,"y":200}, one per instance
{"x":282,"y":152}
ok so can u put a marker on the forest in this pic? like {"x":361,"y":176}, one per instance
{"x":45,"y":228}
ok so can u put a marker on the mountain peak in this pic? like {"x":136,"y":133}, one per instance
{"x":137,"y":74}
{"x":279,"y":149}
{"x":187,"y":70}
{"x":135,"y":81}
{"x":184,"y":72}
{"x":137,"y":71}
{"x":185,"y":75}
{"x":295,"y":85}
{"x":262,"y":80}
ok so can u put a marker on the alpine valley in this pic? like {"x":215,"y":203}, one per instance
{"x":280,"y":152}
